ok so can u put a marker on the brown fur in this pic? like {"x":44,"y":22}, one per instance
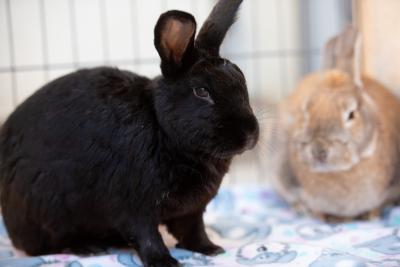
{"x":365,"y":186}
{"x":339,"y":144}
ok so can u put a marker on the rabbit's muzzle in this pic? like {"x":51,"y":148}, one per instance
{"x":325,"y":155}
{"x":319,"y":152}
{"x":239,"y":133}
{"x":252,"y":131}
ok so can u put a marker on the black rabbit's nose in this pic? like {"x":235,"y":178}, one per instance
{"x":251,"y":141}
{"x":251,"y":130}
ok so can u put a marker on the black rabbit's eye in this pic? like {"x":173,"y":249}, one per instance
{"x":202,"y":92}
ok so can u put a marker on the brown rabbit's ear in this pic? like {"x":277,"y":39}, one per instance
{"x":174,"y":40}
{"x":343,"y":52}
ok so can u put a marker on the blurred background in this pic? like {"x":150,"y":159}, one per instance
{"x":275,"y":42}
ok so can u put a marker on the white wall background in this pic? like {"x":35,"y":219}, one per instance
{"x":275,"y":42}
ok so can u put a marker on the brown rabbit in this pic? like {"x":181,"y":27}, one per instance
{"x":338,"y":138}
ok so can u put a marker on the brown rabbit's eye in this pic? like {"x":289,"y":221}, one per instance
{"x":202,"y":92}
{"x":351,"y":116}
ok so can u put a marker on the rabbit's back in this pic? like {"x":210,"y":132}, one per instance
{"x":64,"y":146}
{"x":93,"y":109}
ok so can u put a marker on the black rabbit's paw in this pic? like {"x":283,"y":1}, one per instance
{"x":206,"y":249}
{"x":166,"y":261}
{"x":212,"y":250}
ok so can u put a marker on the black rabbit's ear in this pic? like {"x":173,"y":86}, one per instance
{"x":174,"y":41}
{"x":214,"y":29}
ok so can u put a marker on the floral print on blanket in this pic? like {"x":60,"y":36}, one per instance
{"x":256,"y":228}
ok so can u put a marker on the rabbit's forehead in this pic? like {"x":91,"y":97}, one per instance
{"x":324,"y":112}
{"x":232,"y":72}
{"x":208,"y":65}
{"x":331,"y":102}
{"x":219,"y":70}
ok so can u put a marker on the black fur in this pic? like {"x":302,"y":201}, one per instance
{"x":217,"y":24}
{"x":101,"y":157}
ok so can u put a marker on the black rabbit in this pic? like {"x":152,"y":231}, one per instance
{"x":101,"y":157}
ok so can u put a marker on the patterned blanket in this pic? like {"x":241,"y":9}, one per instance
{"x":257,"y":229}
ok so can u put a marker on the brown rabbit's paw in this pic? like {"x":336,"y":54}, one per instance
{"x":373,"y":214}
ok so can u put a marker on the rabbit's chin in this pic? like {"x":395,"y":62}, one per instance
{"x":230,"y":154}
{"x":243,"y":145}
{"x":318,"y":167}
